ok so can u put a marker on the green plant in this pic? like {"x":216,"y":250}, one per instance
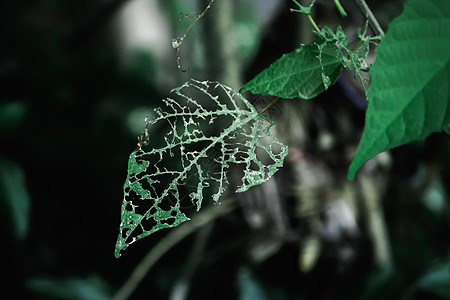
{"x":239,"y":136}
{"x":408,"y":99}
{"x":409,"y":95}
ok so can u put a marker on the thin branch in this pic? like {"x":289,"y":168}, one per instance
{"x":313,"y":23}
{"x":178,"y":41}
{"x":372,"y":187}
{"x":340,"y":8}
{"x":373,"y":23}
{"x":172,"y":238}
{"x":180,"y":290}
{"x":275,"y":100}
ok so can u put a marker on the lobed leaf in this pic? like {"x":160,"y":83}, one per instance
{"x":409,"y":96}
{"x":205,"y":130}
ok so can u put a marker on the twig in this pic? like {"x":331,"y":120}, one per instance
{"x":168,"y":242}
{"x":178,"y":41}
{"x":340,"y":8}
{"x":372,"y":20}
{"x":180,"y":291}
{"x":307,"y":11}
{"x":275,"y":100}
{"x":371,"y":189}
{"x":313,"y":23}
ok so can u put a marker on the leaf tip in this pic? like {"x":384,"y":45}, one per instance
{"x":120,"y":245}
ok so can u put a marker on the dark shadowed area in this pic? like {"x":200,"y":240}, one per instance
{"x":78,"y":79}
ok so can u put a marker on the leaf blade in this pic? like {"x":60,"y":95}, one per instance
{"x":300,"y":73}
{"x":409,"y":97}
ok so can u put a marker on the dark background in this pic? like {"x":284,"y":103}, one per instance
{"x":72,"y":103}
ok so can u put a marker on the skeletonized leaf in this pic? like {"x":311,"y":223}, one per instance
{"x":409,"y":96}
{"x":204,"y":130}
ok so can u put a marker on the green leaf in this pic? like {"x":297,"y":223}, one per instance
{"x":356,"y":59}
{"x":409,"y":95}
{"x":305,"y":72}
{"x":204,"y":130}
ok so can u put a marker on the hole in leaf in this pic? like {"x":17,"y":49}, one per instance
{"x":162,"y":182}
{"x":133,"y":236}
{"x":253,"y":166}
{"x":152,"y":159}
{"x":133,"y":198}
{"x":124,"y":232}
{"x":148,"y":223}
{"x":145,"y":184}
{"x":129,"y":207}
{"x":165,"y":205}
{"x":263,"y":156}
{"x":169,"y":221}
{"x":144,"y":206}
{"x":153,"y":211}
{"x":132,"y":178}
{"x":140,"y":175}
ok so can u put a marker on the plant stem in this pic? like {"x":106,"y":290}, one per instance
{"x":340,"y":8}
{"x":168,"y":242}
{"x":313,"y":23}
{"x":307,"y":11}
{"x":371,"y":189}
{"x":221,"y":60}
{"x":180,"y":290}
{"x":178,"y":41}
{"x":372,"y":20}
{"x":275,"y":100}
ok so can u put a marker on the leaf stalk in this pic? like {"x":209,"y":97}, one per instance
{"x":373,"y":22}
{"x":340,"y":8}
{"x":275,"y":100}
{"x":313,"y":23}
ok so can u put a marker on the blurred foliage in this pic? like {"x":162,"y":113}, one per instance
{"x":91,"y":288}
{"x":436,"y":280}
{"x":14,"y":198}
{"x":67,"y":124}
{"x":400,"y":112}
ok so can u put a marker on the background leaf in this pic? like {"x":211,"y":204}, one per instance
{"x":91,"y":288}
{"x":436,"y":280}
{"x":14,"y":198}
{"x":409,"y":95}
{"x":11,"y":115}
{"x":207,"y":128}
{"x":305,"y":72}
